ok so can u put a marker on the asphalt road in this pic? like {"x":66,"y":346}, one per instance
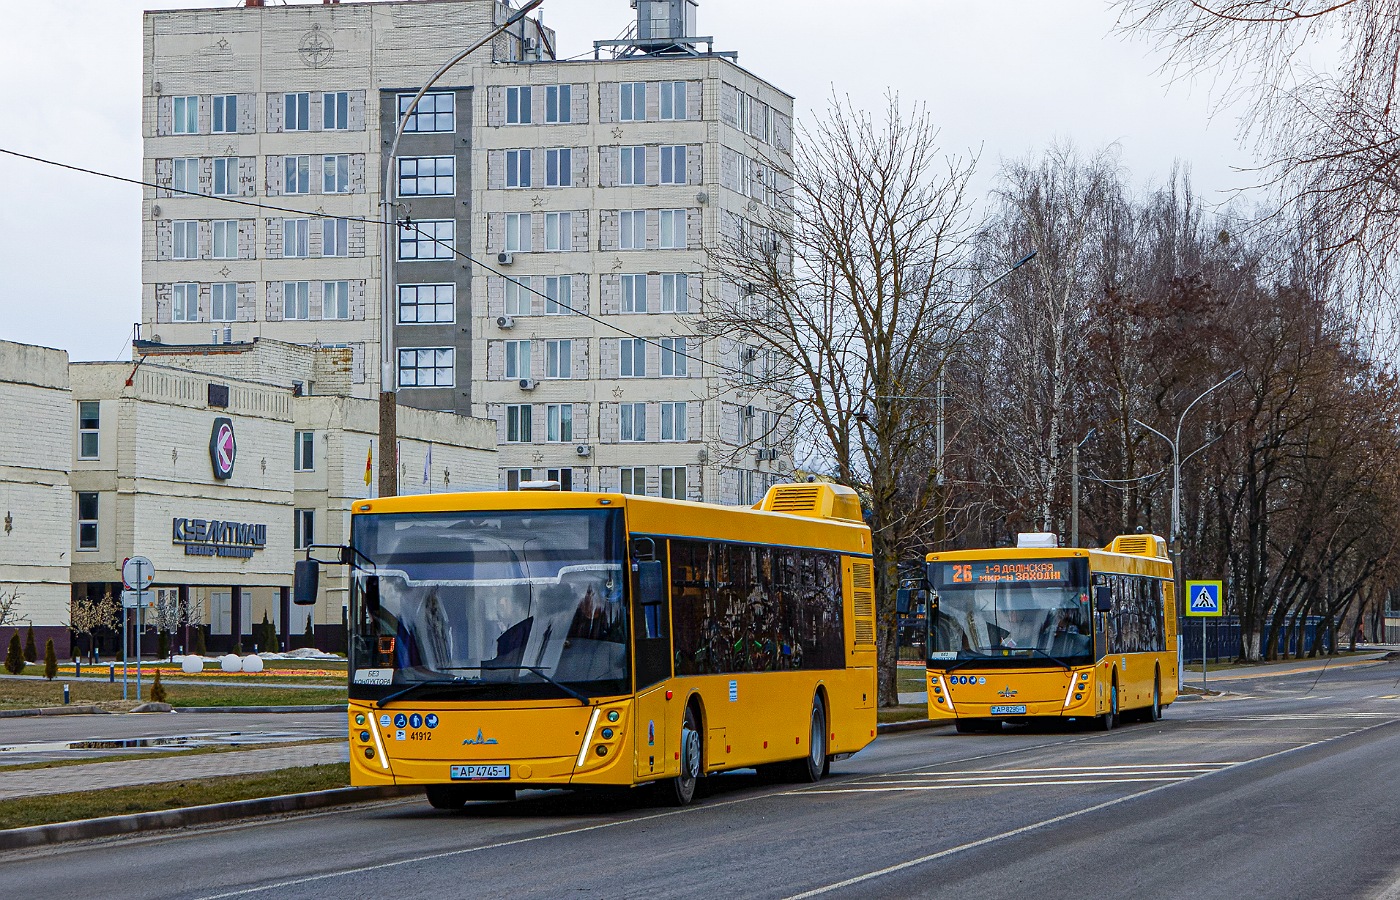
{"x":1288,"y":788}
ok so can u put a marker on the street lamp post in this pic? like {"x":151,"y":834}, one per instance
{"x":388,"y":376}
{"x":1177,"y":462}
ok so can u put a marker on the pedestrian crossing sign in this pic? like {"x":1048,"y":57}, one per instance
{"x":1204,"y":598}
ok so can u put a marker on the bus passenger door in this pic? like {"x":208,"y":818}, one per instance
{"x":651,"y":628}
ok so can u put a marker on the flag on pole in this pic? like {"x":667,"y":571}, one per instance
{"x":428,"y":464}
{"x":369,"y":465}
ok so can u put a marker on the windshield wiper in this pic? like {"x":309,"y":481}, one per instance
{"x":962,"y":662}
{"x":582,"y":698}
{"x":1054,"y":659}
{"x":436,"y":682}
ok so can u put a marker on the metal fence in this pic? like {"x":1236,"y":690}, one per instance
{"x":1222,"y":637}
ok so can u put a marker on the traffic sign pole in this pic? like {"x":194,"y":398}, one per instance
{"x":137,"y":575}
{"x":140,"y":596}
{"x":1205,"y":599}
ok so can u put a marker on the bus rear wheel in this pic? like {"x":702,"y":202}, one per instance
{"x":680,"y":790}
{"x":1154,"y":712}
{"x":816,"y":763}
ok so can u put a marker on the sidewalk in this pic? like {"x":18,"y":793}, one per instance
{"x":1278,"y":670}
{"x":128,"y":773}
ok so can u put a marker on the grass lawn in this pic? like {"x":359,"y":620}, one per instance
{"x":277,"y":672}
{"x":156,"y":754}
{"x":46,"y":809}
{"x":912,"y":679}
{"x":902,"y":713}
{"x":17,"y":694}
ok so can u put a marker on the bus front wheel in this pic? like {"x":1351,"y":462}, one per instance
{"x":679,"y":791}
{"x":1110,"y":718}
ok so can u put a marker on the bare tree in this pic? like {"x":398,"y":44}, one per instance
{"x":9,"y":607}
{"x":87,"y":614}
{"x":844,"y":290}
{"x":1325,"y":122}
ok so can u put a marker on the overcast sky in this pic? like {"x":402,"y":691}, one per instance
{"x":1004,"y":78}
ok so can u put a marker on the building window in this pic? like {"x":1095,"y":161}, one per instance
{"x":426,"y":304}
{"x":673,"y":229}
{"x":632,"y":421}
{"x":518,"y":105}
{"x":673,"y":482}
{"x":304,"y":452}
{"x":559,"y":359}
{"x":631,"y":166}
{"x":559,"y":231}
{"x":296,"y":112}
{"x":184,"y":302}
{"x":518,"y":302}
{"x":428,"y":176}
{"x":565,"y":477}
{"x":518,"y":227}
{"x":632,"y":101}
{"x":87,"y":520}
{"x":335,"y":174}
{"x":519,"y":423}
{"x":675,"y":293}
{"x":632,"y":362}
{"x":633,"y":480}
{"x":186,"y":115}
{"x":673,"y":100}
{"x":335,"y":237}
{"x":223,"y":302}
{"x":185,"y":239}
{"x":559,"y":423}
{"x":634,"y":293}
{"x":184,"y":175}
{"x":335,"y":299}
{"x":673,"y":358}
{"x":559,"y":167}
{"x":559,"y":293}
{"x":517,"y":168}
{"x":435,"y":112}
{"x":89,"y":423}
{"x":296,"y":299}
{"x":296,"y":238}
{"x":517,"y":359}
{"x":559,"y":104}
{"x":673,"y":421}
{"x":335,"y":111}
{"x":515,"y":476}
{"x":226,"y":176}
{"x":304,"y":528}
{"x":632,"y":229}
{"x":225,"y":118}
{"x":673,"y":165}
{"x":297,"y":171}
{"x":428,"y":239}
{"x":427,"y":367}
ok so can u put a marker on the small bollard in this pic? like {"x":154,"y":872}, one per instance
{"x":112,"y":672}
{"x":77,"y":668}
{"x":65,"y":695}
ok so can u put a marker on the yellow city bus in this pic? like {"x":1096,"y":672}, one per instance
{"x":1042,"y":632}
{"x":543,"y":638}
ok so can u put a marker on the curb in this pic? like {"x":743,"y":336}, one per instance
{"x":325,"y":708}
{"x":54,"y":711}
{"x":86,"y":829}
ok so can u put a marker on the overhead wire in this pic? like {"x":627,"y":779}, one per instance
{"x":407,"y":222}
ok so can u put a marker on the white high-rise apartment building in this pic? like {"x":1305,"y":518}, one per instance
{"x":594,"y":190}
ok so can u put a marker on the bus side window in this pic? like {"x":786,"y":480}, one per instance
{"x":651,"y":624}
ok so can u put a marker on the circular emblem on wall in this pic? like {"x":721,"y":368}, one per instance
{"x":223,"y":449}
{"x":316,"y":48}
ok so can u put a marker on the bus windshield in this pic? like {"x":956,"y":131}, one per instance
{"x":490,"y":605}
{"x":1030,"y":611}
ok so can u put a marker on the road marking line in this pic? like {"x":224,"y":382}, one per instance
{"x":1035,"y":826}
{"x":990,"y":784}
{"x":1104,"y":768}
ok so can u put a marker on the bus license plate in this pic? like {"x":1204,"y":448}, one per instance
{"x":473,"y":773}
{"x":1009,"y":710}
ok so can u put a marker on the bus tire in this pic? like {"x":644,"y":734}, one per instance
{"x":680,"y":790}
{"x":1154,"y":712}
{"x":815,"y":764}
{"x":1110,"y":720}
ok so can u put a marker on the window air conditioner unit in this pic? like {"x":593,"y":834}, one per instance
{"x":527,"y":384}
{"x":505,"y":322}
{"x":584,"y":450}
{"x":505,"y":259}
{"x":530,"y":45}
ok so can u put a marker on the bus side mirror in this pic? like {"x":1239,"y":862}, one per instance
{"x":306,"y":580}
{"x":1103,"y":598}
{"x":651,"y":582}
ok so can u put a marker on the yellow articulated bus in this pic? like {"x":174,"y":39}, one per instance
{"x":1043,"y":632}
{"x":540,"y":638}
